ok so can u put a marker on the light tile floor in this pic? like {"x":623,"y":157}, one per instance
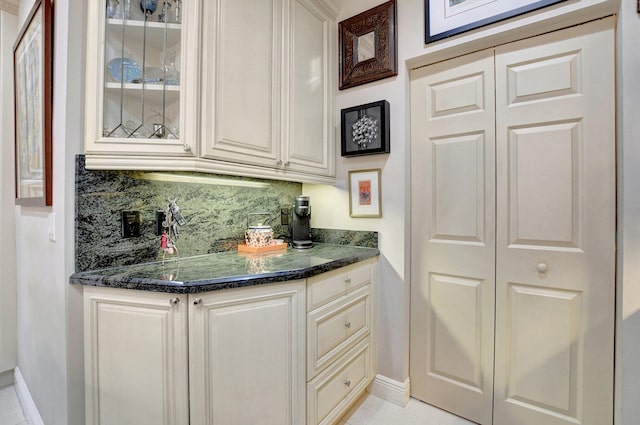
{"x":371,"y":410}
{"x":10,"y":410}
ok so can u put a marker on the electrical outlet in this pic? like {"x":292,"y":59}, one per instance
{"x":284,"y":216}
{"x":160,"y":218}
{"x":130,"y":224}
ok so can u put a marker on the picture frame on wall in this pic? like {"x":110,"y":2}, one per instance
{"x":33,"y":88}
{"x":367,"y":46}
{"x":365,"y":196}
{"x":365,"y":129}
{"x":445,"y":18}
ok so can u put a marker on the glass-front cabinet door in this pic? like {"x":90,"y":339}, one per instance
{"x":141,"y":79}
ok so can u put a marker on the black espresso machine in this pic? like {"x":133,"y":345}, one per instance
{"x":301,"y":223}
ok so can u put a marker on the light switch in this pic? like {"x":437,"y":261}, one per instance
{"x":52,"y":227}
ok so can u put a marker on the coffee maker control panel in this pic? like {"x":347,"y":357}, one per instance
{"x":301,"y":223}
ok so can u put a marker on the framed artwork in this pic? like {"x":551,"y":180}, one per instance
{"x":444,"y":18}
{"x":365,"y":129}
{"x":33,"y":79}
{"x":367,"y":44}
{"x":365,"y":198}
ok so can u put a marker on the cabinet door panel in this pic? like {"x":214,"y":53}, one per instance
{"x":135,"y":358}
{"x":246,"y":351}
{"x":242,"y":71}
{"x":309,"y":146}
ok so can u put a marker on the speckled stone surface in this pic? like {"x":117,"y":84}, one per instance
{"x":225,"y":270}
{"x":345,"y":237}
{"x":216,"y":214}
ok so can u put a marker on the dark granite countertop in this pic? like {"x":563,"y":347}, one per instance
{"x":225,"y":270}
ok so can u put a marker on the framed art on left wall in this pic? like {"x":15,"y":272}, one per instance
{"x":33,"y":91}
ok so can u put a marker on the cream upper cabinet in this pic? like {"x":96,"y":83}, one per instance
{"x":267,"y":88}
{"x":308,"y":145}
{"x":141,"y":94}
{"x":241,"y":87}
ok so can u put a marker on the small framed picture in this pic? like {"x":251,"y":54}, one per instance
{"x":365,"y":129}
{"x":365,"y":198}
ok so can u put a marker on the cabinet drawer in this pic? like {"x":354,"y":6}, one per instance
{"x":332,"y":392}
{"x":328,"y":286}
{"x":335,"y":327}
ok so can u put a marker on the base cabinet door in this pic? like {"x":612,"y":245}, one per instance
{"x":135,"y":357}
{"x":247,"y":356}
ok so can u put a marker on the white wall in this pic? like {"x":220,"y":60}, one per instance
{"x":49,"y":309}
{"x":628,"y":332}
{"x":8,"y":330}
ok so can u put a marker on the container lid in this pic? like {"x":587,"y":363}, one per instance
{"x":260,"y":226}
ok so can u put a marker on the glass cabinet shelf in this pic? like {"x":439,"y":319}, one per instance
{"x":141,"y":85}
{"x":155,"y":31}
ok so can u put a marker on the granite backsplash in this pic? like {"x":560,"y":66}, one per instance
{"x":215,"y":208}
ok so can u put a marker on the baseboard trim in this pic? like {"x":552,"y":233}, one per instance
{"x":390,"y":390}
{"x":24,"y":396}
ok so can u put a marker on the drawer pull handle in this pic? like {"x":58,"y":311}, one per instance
{"x":197,"y":301}
{"x":347,"y":382}
{"x":174,"y":301}
{"x":348,"y":281}
{"x":347,"y":325}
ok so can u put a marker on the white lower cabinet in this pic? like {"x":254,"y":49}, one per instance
{"x":136,"y":346}
{"x":289,"y":353}
{"x":340,"y":348}
{"x":246,"y":355}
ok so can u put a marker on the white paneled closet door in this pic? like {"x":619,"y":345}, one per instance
{"x":453,"y":235}
{"x":555,"y":274}
{"x":525,"y":231}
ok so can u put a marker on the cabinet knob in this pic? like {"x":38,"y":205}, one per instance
{"x":286,"y":164}
{"x":542,"y":267}
{"x":197,"y":301}
{"x":347,"y":383}
{"x":348,"y":281}
{"x":186,"y":147}
{"x":347,"y":325}
{"x":279,"y":162}
{"x":174,"y":301}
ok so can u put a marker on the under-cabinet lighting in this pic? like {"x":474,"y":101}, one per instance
{"x":185,"y":178}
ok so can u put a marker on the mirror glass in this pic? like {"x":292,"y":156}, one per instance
{"x":366,"y":46}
